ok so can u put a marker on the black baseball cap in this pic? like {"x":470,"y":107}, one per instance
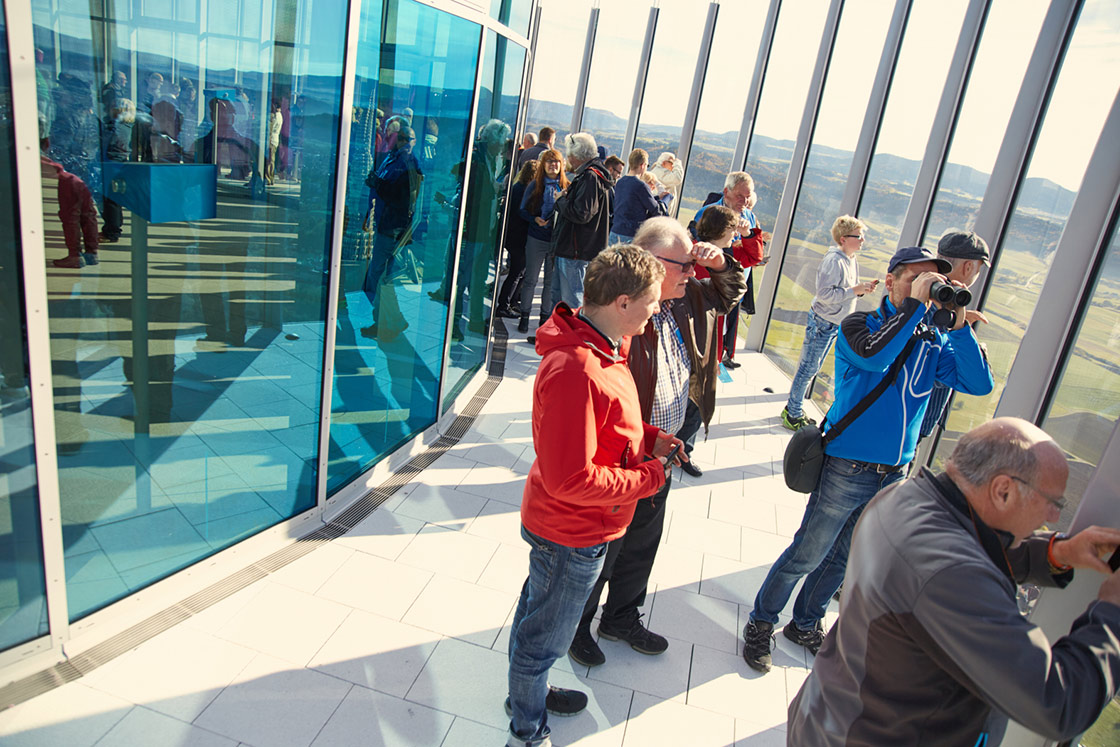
{"x":911,"y":254}
{"x":964,"y":245}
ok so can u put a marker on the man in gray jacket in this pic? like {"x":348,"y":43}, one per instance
{"x":930,"y":647}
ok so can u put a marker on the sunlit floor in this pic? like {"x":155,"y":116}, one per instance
{"x":397,"y":633}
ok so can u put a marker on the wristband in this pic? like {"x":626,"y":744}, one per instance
{"x":1055,"y":565}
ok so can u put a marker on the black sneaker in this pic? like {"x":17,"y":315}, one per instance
{"x":810,"y":639}
{"x":559,"y":702}
{"x":637,"y":635}
{"x":758,"y":641}
{"x":690,"y":468}
{"x":584,"y":650}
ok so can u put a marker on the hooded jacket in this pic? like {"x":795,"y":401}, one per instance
{"x":583,"y":213}
{"x":592,"y":446}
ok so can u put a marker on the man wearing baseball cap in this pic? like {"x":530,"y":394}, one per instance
{"x":968,"y":254}
{"x":873,"y":451}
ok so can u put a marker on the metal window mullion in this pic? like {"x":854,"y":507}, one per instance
{"x":692,"y":113}
{"x":876,"y":107}
{"x":585,"y":70}
{"x":1023,"y":128}
{"x":640,"y":82}
{"x":464,"y":198}
{"x":530,"y":63}
{"x":754,"y":94}
{"x":342,"y":173}
{"x":756,"y":333}
{"x":944,"y":122}
{"x":1069,"y":278}
{"x":29,"y":188}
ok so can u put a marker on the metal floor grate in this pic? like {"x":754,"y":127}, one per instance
{"x":81,"y":664}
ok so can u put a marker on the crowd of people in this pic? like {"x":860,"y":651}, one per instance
{"x":929,"y":646}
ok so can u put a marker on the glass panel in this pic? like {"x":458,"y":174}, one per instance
{"x":928,"y":44}
{"x":796,"y":41}
{"x":1001,"y":61}
{"x":513,"y":13}
{"x":1070,"y":131}
{"x":614,"y":69}
{"x":476,"y":277}
{"x":1086,"y":403}
{"x":851,"y":74}
{"x":23,"y":600}
{"x":672,"y":66}
{"x":402,"y":216}
{"x":726,"y":85}
{"x":187,"y":339}
{"x":556,"y":65}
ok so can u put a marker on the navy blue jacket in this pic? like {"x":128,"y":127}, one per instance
{"x":634,"y":203}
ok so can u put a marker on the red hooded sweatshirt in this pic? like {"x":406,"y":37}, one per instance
{"x":590,"y":440}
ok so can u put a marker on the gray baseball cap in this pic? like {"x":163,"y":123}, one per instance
{"x":964,"y":245}
{"x":911,"y":254}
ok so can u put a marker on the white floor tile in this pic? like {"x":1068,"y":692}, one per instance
{"x":762,"y":548}
{"x":664,"y":675}
{"x":309,"y":572}
{"x":677,"y":568}
{"x":507,"y":570}
{"x":654,"y":721}
{"x":373,"y":719}
{"x":753,"y":735}
{"x":214,"y":618}
{"x":499,"y":521}
{"x":745,"y":511}
{"x":503,"y":454}
{"x":724,"y":683}
{"x":704,"y":534}
{"x":177,"y":673}
{"x":495,"y":483}
{"x":695,"y":618}
{"x":450,"y":553}
{"x":441,"y":685}
{"x":72,"y":715}
{"x":789,"y":519}
{"x":603,"y":723}
{"x":441,"y":504}
{"x":375,"y":585}
{"x":285,"y":623}
{"x":465,"y":733}
{"x":272,"y":703}
{"x":376,"y":652}
{"x":461,"y":610}
{"x":383,"y":533}
{"x":140,"y":725}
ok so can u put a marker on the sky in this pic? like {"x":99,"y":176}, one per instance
{"x":1087,"y":87}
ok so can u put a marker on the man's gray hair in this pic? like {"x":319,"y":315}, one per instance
{"x":735,"y":178}
{"x":529,"y":140}
{"x":983,"y":454}
{"x":659,"y":233}
{"x":581,"y":145}
{"x":495,"y":131}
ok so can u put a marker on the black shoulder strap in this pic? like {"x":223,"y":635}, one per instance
{"x":892,"y":374}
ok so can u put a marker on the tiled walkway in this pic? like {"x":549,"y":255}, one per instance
{"x":396,"y":634}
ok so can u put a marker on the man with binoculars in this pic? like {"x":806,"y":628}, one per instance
{"x":873,"y":451}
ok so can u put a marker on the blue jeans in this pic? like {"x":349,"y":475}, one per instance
{"x":569,"y":273}
{"x":616,"y":238}
{"x":820,"y":547}
{"x":552,"y":599}
{"x":819,"y":336}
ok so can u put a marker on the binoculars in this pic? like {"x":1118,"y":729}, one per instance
{"x":951,"y":295}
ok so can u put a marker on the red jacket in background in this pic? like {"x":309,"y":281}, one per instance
{"x":589,"y":437}
{"x":747,"y":250}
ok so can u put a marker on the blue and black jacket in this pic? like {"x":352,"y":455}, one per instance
{"x":887,"y":432}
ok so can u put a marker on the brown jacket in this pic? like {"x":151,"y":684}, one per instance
{"x":695,"y":313}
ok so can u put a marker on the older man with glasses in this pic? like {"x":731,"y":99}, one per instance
{"x":930,"y":647}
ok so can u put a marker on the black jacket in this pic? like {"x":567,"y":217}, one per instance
{"x":583,"y":213}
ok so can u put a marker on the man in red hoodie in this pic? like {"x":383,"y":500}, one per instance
{"x":595,"y":459}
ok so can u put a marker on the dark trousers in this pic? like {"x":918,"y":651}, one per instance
{"x":511,"y":288}
{"x":629,"y":562}
{"x":730,"y":332}
{"x":691,"y":426}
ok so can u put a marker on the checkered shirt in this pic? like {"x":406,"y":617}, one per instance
{"x":670,"y":397}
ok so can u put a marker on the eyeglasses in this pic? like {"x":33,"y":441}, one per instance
{"x":854,"y":236}
{"x":685,"y":266}
{"x":1059,"y":503}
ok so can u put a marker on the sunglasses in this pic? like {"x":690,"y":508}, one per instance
{"x":685,"y":266}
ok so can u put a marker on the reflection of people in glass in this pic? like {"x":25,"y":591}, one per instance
{"x":295,"y":139}
{"x":76,"y":211}
{"x":75,"y":137}
{"x":117,"y":88}
{"x":395,"y":185}
{"x":275,"y":124}
{"x":517,"y":232}
{"x":480,"y":233}
{"x":119,"y":144}
{"x":670,"y":172}
{"x":166,"y":122}
{"x":188,"y":119}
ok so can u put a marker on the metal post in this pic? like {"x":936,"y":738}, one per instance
{"x":768,"y":288}
{"x":688,"y":129}
{"x":754,"y":95}
{"x":25,"y":123}
{"x":876,"y":105}
{"x":342,"y":171}
{"x":640,"y":82}
{"x":944,"y":122}
{"x":1067,"y":283}
{"x":530,"y":60}
{"x":585,"y":70}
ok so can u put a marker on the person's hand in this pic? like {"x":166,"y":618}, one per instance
{"x":540,"y":221}
{"x":919,"y":289}
{"x":708,"y":255}
{"x":972,"y":316}
{"x":767,"y":236}
{"x":1084,"y":549}
{"x":862,"y":289}
{"x":664,"y":444}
